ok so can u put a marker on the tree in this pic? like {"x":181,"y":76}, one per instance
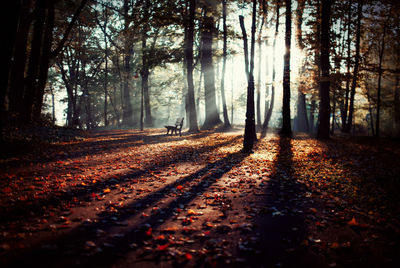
{"x":348,"y":124}
{"x":145,"y":98}
{"x":324,"y":106}
{"x":380,"y":72}
{"x":302,"y":119}
{"x":286,"y":126}
{"x":127,"y":114}
{"x":227,"y":124}
{"x":193,"y":127}
{"x":250,"y":128}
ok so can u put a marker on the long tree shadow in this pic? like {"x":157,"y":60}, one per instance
{"x":104,"y":142}
{"x":199,"y":181}
{"x":282,"y":228}
{"x":24,"y":210}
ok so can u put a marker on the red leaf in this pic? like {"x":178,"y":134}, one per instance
{"x":149,"y":231}
{"x":163,"y":247}
{"x":188,"y":256}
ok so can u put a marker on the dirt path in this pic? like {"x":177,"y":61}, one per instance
{"x":143,"y":199}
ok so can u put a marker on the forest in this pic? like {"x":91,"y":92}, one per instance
{"x":207,"y":133}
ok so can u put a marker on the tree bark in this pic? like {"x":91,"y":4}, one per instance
{"x":127,"y":115}
{"x":250,"y":129}
{"x":7,"y":53}
{"x":380,"y":72}
{"x":286,"y":125}
{"x":16,"y":82}
{"x":302,"y":119}
{"x":227,"y":124}
{"x":45,"y":60}
{"x":193,"y":127}
{"x":324,"y":107}
{"x":34,"y":61}
{"x":344,"y":111}
{"x":105,"y":68}
{"x":148,"y":120}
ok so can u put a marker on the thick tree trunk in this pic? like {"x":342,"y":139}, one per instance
{"x":193,"y":127}
{"x":34,"y":61}
{"x":286,"y":126}
{"x":45,"y":60}
{"x":324,"y":107}
{"x":10,"y":36}
{"x":16,"y":82}
{"x":250,"y":128}
{"x":302,"y":119}
{"x":212,"y":117}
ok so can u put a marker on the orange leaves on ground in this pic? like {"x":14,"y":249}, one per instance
{"x":353,"y":222}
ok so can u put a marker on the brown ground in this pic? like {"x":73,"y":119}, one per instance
{"x":125,"y":198}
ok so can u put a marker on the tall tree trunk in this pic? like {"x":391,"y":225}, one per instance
{"x":250,"y":128}
{"x":258,"y":105}
{"x":34,"y":61}
{"x":10,"y":36}
{"x":145,"y":69}
{"x":127,"y":115}
{"x":286,"y":126}
{"x":344,"y":111}
{"x":355,"y":72}
{"x":302,"y":119}
{"x":16,"y":82}
{"x":45,"y":60}
{"x":193,"y":127}
{"x":380,"y":72}
{"x":105,"y":68}
{"x":324,"y":107}
{"x":258,"y":102}
{"x":212,"y":117}
{"x":227,"y":124}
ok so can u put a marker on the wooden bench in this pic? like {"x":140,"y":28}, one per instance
{"x":177,"y":127}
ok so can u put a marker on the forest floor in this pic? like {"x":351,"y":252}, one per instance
{"x":126,"y":198}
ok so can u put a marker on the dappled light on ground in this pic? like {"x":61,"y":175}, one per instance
{"x":128,"y":198}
